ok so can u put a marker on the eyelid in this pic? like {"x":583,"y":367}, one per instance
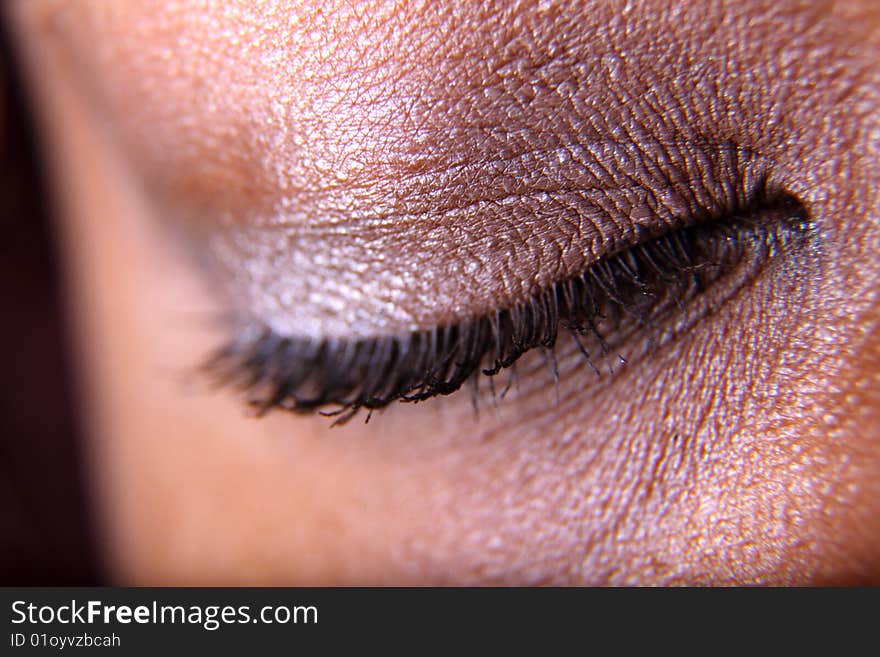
{"x":638,"y":284}
{"x":436,"y":251}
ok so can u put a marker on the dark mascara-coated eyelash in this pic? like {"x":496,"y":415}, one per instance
{"x":638,"y":284}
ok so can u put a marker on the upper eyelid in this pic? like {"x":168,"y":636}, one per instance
{"x":587,"y":222}
{"x":308,"y":374}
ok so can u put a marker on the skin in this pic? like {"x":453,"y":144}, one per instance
{"x":199,"y":171}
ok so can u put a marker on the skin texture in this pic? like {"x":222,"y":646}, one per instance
{"x":280,"y":163}
{"x":344,"y":188}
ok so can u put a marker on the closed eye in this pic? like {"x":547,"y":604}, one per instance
{"x":407,"y":199}
{"x":409,"y":241}
{"x":645,"y":289}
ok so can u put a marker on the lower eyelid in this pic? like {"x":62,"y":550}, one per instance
{"x":629,"y":293}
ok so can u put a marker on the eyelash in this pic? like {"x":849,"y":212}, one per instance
{"x":638,"y":284}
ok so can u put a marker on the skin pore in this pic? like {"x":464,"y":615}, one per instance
{"x":382,"y":168}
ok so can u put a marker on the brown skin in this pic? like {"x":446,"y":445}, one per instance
{"x":743,"y":449}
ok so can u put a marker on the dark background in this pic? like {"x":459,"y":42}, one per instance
{"x":46,"y":532}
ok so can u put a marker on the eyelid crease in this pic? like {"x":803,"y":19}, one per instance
{"x":636,"y":285}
